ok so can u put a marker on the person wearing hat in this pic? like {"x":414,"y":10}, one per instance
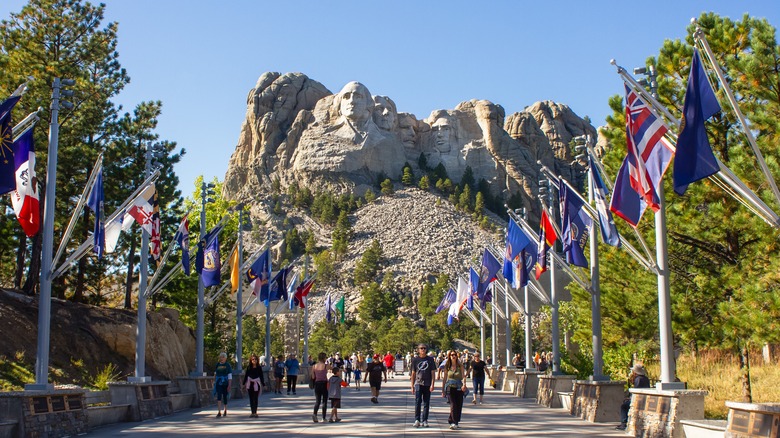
{"x":638,"y":379}
{"x":374,"y":372}
{"x":423,"y":378}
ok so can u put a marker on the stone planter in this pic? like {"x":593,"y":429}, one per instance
{"x":747,"y":420}
{"x":658,"y":413}
{"x":550,"y":386}
{"x":598,"y":401}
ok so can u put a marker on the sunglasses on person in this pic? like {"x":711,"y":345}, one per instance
{"x":422,"y":348}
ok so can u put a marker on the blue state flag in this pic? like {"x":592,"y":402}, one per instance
{"x":95,"y":202}
{"x":574,"y":227}
{"x":473,"y":285}
{"x":487,"y":274}
{"x":626,"y":202}
{"x":528,"y":259}
{"x":7,"y":165}
{"x":609,"y":232}
{"x":448,"y":299}
{"x":183,"y":239}
{"x":516,"y":241}
{"x":278,"y":289}
{"x":207,"y":261}
{"x":259,"y":275}
{"x":694,"y":159}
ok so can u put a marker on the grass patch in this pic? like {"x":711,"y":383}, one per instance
{"x":15,"y":373}
{"x":109,"y":373}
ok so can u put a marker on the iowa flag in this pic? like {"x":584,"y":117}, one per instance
{"x":25,"y":199}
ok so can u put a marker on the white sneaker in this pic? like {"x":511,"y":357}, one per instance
{"x":457,"y":426}
{"x":416,"y":423}
{"x":452,"y":427}
{"x":425,"y":424}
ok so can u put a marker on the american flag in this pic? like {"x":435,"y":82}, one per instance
{"x":649,"y":153}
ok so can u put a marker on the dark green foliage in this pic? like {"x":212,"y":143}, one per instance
{"x":368,"y":266}
{"x":422,"y":162}
{"x":407,"y":178}
{"x":370,"y":196}
{"x":341,"y":234}
{"x":467,"y":180}
{"x":425,"y":183}
{"x":387,"y":187}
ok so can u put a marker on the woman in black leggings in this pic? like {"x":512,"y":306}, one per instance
{"x":319,"y":375}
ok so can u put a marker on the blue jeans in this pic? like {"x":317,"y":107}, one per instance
{"x":422,"y":399}
{"x":479,"y":385}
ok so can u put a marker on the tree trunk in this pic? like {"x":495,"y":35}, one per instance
{"x":21,"y":253}
{"x":129,"y":279}
{"x":744,"y":368}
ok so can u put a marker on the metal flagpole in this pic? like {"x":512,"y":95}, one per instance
{"x":482,"y":334}
{"x":305,"y":314}
{"x":508,"y":325}
{"x":556,"y":349}
{"x":493,"y":333}
{"x":527,"y":312}
{"x":239,"y":297}
{"x":47,"y":249}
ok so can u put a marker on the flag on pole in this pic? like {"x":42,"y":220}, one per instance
{"x":183,"y":239}
{"x":329,"y":308}
{"x":695,"y":159}
{"x":487,"y":274}
{"x":292,"y":286}
{"x":547,"y":238}
{"x":473,"y":288}
{"x":575,"y":226}
{"x":626,"y":202}
{"x":301,"y":292}
{"x":25,"y":199}
{"x":609,"y":232}
{"x":234,"y":274}
{"x":528,"y":258}
{"x":463,"y":294}
{"x":487,"y":297}
{"x":449,"y":298}
{"x":7,"y":164}
{"x":339,"y":310}
{"x":95,"y":202}
{"x":649,"y":153}
{"x":142,"y":209}
{"x":516,"y":241}
{"x":259,"y":274}
{"x":208,"y":262}
{"x":278,"y":288}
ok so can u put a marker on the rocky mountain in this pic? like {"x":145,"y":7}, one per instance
{"x":297,"y":130}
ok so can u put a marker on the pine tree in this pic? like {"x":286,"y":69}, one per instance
{"x":424,"y":183}
{"x":387,"y":187}
{"x":408,"y":177}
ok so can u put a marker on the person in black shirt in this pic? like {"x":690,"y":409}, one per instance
{"x":423,"y":378}
{"x":374,"y":372}
{"x":254,"y":382}
{"x":638,"y":379}
{"x":477,"y":370}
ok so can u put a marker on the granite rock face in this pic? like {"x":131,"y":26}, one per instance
{"x":296,"y":130}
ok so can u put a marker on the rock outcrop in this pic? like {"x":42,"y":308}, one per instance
{"x":296,"y":130}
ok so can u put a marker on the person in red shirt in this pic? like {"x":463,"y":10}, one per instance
{"x":389,"y":359}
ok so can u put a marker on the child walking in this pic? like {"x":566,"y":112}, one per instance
{"x":334,"y":393}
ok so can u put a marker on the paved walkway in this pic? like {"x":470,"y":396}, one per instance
{"x":502,"y":415}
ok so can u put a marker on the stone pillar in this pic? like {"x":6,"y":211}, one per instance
{"x":550,"y":386}
{"x":598,"y":401}
{"x":147,"y":400}
{"x":528,"y":383}
{"x":753,"y":420}
{"x":202,"y":387}
{"x":657,"y":413}
{"x":49,"y":413}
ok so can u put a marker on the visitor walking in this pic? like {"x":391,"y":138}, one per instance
{"x":319,"y":375}
{"x":454,"y":385}
{"x":374,"y":372}
{"x":278,"y":373}
{"x":254,"y":383}
{"x":293,"y":368}
{"x":477,"y":370}
{"x":334,"y":394}
{"x":388,"y":360}
{"x":360,"y":367}
{"x":348,"y":369}
{"x":223,"y":374}
{"x":423,"y":370}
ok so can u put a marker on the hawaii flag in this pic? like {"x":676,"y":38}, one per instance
{"x":25,"y":198}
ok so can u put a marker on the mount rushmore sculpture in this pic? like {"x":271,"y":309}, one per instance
{"x":297,"y":130}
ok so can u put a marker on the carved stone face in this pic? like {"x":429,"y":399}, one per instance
{"x":442,"y":131}
{"x":356,"y":103}
{"x":385,"y":114}
{"x":406,"y":131}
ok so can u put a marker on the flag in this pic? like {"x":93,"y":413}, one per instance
{"x":278,"y":288}
{"x":516,"y":241}
{"x":155,"y":243}
{"x":142,"y":209}
{"x":695,"y":159}
{"x":487,"y":296}
{"x":292,"y":286}
{"x":301,"y":292}
{"x":487,"y":274}
{"x":649,"y":153}
{"x":234,"y":274}
{"x":329,"y":308}
{"x":208,"y":260}
{"x":575,"y":226}
{"x":464,"y":292}
{"x":547,"y":238}
{"x":95,"y":202}
{"x":626,"y":202}
{"x":25,"y":199}
{"x":259,"y":274}
{"x":449,"y":298}
{"x":609,"y":232}
{"x":528,"y":257}
{"x":7,"y":164}
{"x":183,"y":239}
{"x":473,"y":288}
{"x":338,"y":308}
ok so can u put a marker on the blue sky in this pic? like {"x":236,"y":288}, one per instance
{"x":202,"y":58}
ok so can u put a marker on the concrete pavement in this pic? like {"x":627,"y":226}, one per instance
{"x":502,"y":415}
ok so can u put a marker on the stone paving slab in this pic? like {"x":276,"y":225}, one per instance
{"x":502,"y":415}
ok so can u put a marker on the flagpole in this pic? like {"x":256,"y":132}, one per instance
{"x":204,"y":192}
{"x":482,"y":334}
{"x":305,"y":313}
{"x":527,"y":313}
{"x":595,"y":288}
{"x":44,"y":299}
{"x":508,"y":325}
{"x":493,"y":332}
{"x":239,"y":296}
